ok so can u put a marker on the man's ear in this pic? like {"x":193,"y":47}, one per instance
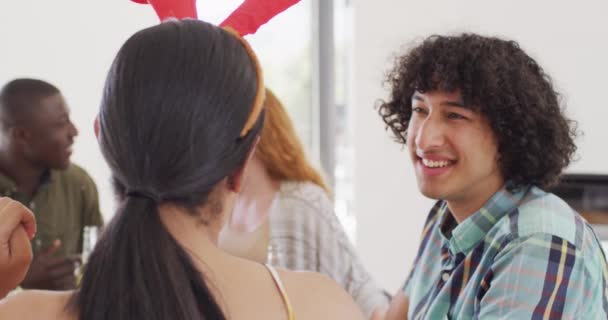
{"x":96,"y":127}
{"x":19,"y":135}
{"x":235,"y":180}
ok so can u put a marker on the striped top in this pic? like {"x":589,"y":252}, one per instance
{"x":523,"y":255}
{"x":305,"y":234}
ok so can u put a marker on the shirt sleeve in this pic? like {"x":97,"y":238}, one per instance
{"x":427,"y":229}
{"x":407,"y":286}
{"x":540,"y":277}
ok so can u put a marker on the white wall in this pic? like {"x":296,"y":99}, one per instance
{"x":569,"y":39}
{"x":70,"y":43}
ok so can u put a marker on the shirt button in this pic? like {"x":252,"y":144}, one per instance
{"x":445,"y":276}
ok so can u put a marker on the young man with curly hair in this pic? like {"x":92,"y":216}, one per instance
{"x":487,"y":136}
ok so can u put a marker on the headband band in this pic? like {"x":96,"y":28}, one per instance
{"x":258,"y":102}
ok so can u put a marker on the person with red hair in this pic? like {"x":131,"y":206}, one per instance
{"x":284,"y":215}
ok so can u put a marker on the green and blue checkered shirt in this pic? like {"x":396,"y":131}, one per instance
{"x":524,"y":255}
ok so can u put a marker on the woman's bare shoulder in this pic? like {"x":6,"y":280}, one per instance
{"x":316,"y":296}
{"x":36,"y":304}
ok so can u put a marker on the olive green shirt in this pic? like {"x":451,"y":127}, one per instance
{"x":64,"y":203}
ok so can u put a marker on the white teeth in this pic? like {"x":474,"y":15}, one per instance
{"x":435,"y":164}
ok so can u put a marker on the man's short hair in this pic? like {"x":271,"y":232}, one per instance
{"x":499,"y":80}
{"x":20,"y":96}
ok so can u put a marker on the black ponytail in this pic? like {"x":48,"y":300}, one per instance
{"x":139,"y":271}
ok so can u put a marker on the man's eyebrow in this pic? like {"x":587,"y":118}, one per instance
{"x":447,"y":103}
{"x":416,"y":96}
{"x":457,"y":104}
{"x":453,"y":103}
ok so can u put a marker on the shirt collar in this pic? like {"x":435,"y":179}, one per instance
{"x":48,"y":177}
{"x":464,"y":236}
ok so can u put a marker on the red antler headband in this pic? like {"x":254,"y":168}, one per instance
{"x":246,"y":19}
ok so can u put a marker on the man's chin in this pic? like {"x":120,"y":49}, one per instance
{"x":434,"y":192}
{"x":63,"y":165}
{"x":431,"y":195}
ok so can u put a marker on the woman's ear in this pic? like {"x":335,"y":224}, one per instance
{"x":96,"y":127}
{"x":235,"y":180}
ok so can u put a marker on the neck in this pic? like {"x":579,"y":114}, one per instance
{"x":25,"y":175}
{"x":253,"y":204}
{"x":199,"y":238}
{"x":463,"y":208}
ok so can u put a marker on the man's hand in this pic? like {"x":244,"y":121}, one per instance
{"x":379,"y":314}
{"x":399,"y":307}
{"x":17,"y":228}
{"x":49,"y":272}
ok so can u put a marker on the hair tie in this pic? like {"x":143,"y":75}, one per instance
{"x":143,"y":194}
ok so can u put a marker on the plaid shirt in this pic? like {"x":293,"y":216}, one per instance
{"x":523,"y":255}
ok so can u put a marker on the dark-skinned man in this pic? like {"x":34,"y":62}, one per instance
{"x":36,"y":138}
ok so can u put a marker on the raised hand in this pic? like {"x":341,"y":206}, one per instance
{"x":17,"y":228}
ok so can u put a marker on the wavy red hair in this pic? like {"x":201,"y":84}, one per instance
{"x":281,"y":150}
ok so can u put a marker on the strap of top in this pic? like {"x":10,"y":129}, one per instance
{"x":279,"y":284}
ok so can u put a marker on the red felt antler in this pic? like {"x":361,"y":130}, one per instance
{"x":179,"y":9}
{"x":246,"y":19}
{"x":252,"y":14}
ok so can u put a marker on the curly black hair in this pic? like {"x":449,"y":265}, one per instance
{"x":499,"y":80}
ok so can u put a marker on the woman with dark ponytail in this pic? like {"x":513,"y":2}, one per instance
{"x":178,"y":122}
